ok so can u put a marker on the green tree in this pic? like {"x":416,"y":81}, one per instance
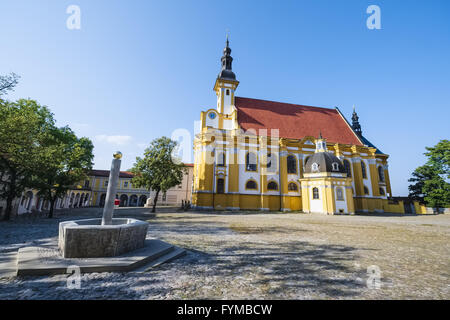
{"x":8,"y":82}
{"x":157,"y":170}
{"x":430,"y":181}
{"x":439,"y":158}
{"x":21,"y":124}
{"x":62,"y":161}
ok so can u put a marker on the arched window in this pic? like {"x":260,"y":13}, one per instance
{"x":250,"y":161}
{"x":335,"y":166}
{"x":228,"y":92}
{"x":272,"y":185}
{"x":348,"y":168}
{"x":292,"y":186}
{"x":251,"y":184}
{"x":366,"y":190}
{"x":291,"y":164}
{"x":339,"y":194}
{"x":220,"y":185}
{"x":363,"y":169}
{"x":381,"y":173}
{"x":382,"y":192}
{"x":271,"y":162}
{"x":315,"y":193}
{"x":315,"y":167}
{"x":221,"y":159}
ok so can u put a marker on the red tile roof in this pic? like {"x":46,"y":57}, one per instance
{"x":294,"y":121}
{"x":105,"y":173}
{"x":123,"y":174}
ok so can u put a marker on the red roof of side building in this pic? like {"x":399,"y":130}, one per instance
{"x":123,"y":174}
{"x":294,"y":121}
{"x":105,"y":173}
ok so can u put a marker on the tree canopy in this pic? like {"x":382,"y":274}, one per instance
{"x":430,"y":182}
{"x":158,"y":170}
{"x":62,"y":161}
{"x":34,"y":153}
{"x":21,"y":124}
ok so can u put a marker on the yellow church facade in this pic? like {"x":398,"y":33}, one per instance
{"x":255,"y":154}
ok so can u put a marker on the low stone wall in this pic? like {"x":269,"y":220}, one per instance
{"x":89,"y":239}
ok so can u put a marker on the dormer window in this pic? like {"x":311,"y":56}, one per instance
{"x":335,"y":166}
{"x":315,"y":167}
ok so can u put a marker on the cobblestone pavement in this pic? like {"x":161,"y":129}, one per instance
{"x":257,"y":256}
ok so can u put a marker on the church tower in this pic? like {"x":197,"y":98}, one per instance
{"x":226,"y":83}
{"x":355,"y":123}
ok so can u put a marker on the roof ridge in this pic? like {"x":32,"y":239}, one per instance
{"x":292,"y":104}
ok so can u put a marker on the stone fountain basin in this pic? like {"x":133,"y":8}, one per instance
{"x":88,"y":238}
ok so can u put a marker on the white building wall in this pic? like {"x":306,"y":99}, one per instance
{"x":244,"y":175}
{"x":317,"y":204}
{"x":341,"y":205}
{"x":214,"y":123}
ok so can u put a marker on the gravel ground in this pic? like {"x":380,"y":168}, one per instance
{"x":257,"y":256}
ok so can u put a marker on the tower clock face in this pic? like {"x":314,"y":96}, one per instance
{"x":212,"y":115}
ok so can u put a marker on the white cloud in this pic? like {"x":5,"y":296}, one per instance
{"x":115,"y":140}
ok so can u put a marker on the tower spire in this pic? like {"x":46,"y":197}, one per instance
{"x":226,"y":72}
{"x":226,"y":82}
{"x":355,"y":122}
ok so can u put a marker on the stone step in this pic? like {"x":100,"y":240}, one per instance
{"x":47,"y":261}
{"x":174,"y":254}
{"x":8,"y":264}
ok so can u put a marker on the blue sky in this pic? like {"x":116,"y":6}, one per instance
{"x":137,"y":70}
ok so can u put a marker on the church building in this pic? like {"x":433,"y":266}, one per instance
{"x":253,"y":154}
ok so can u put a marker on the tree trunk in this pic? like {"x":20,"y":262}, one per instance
{"x":52,"y":204}
{"x":8,"y":210}
{"x":155,"y":200}
{"x":10,"y":197}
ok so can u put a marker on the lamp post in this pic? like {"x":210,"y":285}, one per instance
{"x":108,"y":210}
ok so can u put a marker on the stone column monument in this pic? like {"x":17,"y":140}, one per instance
{"x":108,"y":210}
{"x":106,"y":237}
